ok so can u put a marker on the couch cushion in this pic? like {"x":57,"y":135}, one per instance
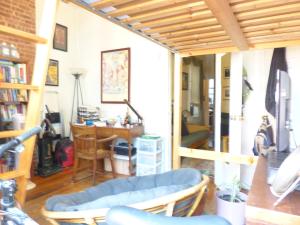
{"x":126,"y":198}
{"x":164,"y":183}
{"x":188,"y":140}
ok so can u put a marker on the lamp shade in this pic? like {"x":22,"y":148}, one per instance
{"x":78,"y":71}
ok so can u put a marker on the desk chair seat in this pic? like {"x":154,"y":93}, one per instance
{"x":87,"y":146}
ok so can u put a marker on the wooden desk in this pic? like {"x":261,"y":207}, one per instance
{"x":122,"y":132}
{"x":260,"y":209}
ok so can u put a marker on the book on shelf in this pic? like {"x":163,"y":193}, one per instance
{"x":8,"y":111}
{"x":13,"y":72}
{"x":13,"y":96}
{"x":13,"y":102}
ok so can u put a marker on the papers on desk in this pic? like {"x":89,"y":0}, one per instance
{"x":100,"y":124}
{"x":79,"y":124}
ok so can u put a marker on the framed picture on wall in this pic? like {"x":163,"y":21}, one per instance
{"x":52,"y":74}
{"x":226,"y":73}
{"x":226,"y":93}
{"x":115,"y":75}
{"x":185,"y":81}
{"x":60,"y":39}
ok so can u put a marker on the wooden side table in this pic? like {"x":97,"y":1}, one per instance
{"x":260,"y":209}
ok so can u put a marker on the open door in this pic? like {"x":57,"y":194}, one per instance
{"x":226,"y":147}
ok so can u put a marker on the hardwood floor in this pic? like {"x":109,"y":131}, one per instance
{"x":61,"y":183}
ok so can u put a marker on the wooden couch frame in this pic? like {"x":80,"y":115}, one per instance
{"x":165,"y":204}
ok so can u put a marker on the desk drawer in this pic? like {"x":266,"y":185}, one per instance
{"x":122,"y":133}
{"x":104,"y":132}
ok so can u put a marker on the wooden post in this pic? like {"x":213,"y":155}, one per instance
{"x":177,"y":110}
{"x":38,"y":78}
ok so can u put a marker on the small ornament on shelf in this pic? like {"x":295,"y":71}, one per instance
{"x":127,"y":119}
{"x":14,"y":52}
{"x":4,"y":49}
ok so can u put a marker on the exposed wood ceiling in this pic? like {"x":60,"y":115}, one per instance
{"x":193,"y":27}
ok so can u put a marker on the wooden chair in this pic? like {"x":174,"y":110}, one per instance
{"x":88,"y":147}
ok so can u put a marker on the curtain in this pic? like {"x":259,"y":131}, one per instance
{"x":278,"y":63}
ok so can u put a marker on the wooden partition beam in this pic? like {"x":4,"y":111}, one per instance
{"x":217,"y":156}
{"x":224,"y":14}
{"x":177,"y":110}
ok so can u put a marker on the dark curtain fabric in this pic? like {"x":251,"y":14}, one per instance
{"x":278,"y":62}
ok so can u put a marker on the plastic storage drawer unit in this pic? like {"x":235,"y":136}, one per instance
{"x":149,"y":155}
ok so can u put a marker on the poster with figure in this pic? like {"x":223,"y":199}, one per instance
{"x":52,"y":74}
{"x":115,"y":75}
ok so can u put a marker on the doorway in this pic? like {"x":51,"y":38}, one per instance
{"x":197,"y":109}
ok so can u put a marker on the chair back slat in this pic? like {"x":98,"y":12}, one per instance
{"x":84,"y":139}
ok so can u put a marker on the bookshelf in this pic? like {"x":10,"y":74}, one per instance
{"x":35,"y":87}
{"x":13,"y":90}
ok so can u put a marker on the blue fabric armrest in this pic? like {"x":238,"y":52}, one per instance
{"x":123,"y":215}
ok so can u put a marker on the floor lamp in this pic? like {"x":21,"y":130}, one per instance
{"x":77,"y":93}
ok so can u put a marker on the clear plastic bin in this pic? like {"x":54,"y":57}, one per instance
{"x":149,"y":159}
{"x":147,"y":170}
{"x":149,"y":145}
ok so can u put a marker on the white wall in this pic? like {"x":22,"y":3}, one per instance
{"x":257,"y":63}
{"x":88,"y":35}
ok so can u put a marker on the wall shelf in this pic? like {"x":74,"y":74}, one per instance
{"x":5,"y":85}
{"x":22,"y":34}
{"x":11,"y":59}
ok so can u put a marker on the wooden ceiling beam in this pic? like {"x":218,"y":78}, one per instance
{"x":167,"y":10}
{"x":186,"y":32}
{"x":256,"y":5}
{"x":233,"y":2}
{"x":176,"y":19}
{"x":118,"y":23}
{"x":275,"y":37}
{"x":271,"y":11}
{"x":195,"y":36}
{"x":208,"y":50}
{"x":132,"y":3}
{"x":206,"y":41}
{"x":273,"y":31}
{"x":270,"y":19}
{"x":276,"y":44}
{"x":107,"y":3}
{"x":183,"y":26}
{"x":225,"y":16}
{"x":138,"y":7}
{"x":283,"y":24}
{"x":207,"y":46}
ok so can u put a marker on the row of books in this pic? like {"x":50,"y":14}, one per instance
{"x":13,"y":72}
{"x":8,"y":111}
{"x":13,"y":95}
